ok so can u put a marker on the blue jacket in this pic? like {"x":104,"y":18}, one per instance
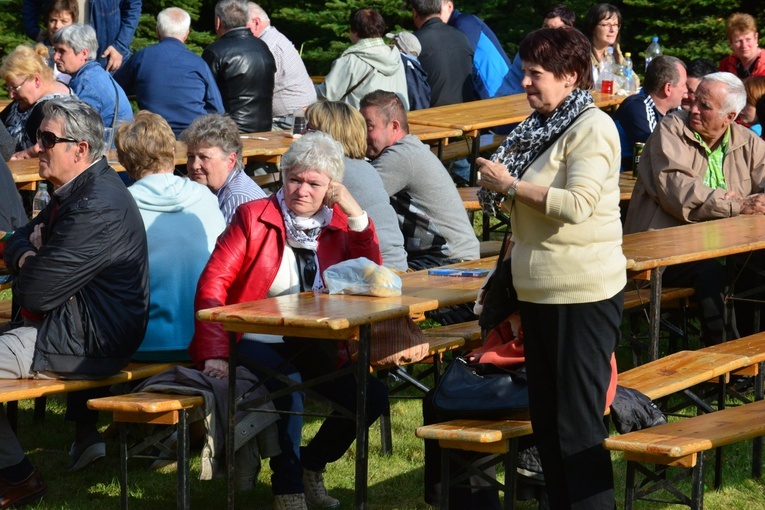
{"x":492,"y":75}
{"x":194,"y":92}
{"x":115,"y":22}
{"x":96,"y":87}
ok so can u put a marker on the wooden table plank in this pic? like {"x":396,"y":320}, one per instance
{"x":626,"y":186}
{"x":693,"y":242}
{"x":473,"y":116}
{"x":680,"y":371}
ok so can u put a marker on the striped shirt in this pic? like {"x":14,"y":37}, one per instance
{"x":238,"y":189}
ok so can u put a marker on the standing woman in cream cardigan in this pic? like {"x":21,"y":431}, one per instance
{"x":559,"y":172}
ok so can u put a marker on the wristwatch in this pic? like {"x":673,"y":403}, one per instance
{"x":510,"y":191}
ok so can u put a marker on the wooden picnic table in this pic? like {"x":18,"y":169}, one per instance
{"x":474,"y":116}
{"x":340,"y":317}
{"x":312,"y":315}
{"x":267,"y":147}
{"x":648,"y":253}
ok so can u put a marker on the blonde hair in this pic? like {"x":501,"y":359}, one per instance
{"x":27,"y":61}
{"x":342,"y":122}
{"x":146,"y":145}
{"x":739,"y":23}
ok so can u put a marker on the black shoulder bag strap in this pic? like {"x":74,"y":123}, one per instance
{"x":362,"y":80}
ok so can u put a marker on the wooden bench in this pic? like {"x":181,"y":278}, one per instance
{"x":154,"y":408}
{"x":5,"y":311}
{"x":469,"y":331}
{"x":682,"y":444}
{"x":13,"y":390}
{"x":666,"y":376}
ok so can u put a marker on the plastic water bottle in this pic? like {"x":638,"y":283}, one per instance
{"x":41,"y":199}
{"x":607,"y":72}
{"x":630,"y":83}
{"x":653,"y":51}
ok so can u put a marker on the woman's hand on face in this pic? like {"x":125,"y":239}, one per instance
{"x":494,"y":176}
{"x":339,"y":194}
{"x":217,"y":368}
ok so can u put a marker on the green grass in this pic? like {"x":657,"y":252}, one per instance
{"x":395,"y":482}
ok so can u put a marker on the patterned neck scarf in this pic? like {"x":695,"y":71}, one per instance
{"x":529,"y":139}
{"x":304,"y":232}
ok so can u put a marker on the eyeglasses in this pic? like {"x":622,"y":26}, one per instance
{"x":609,"y":26}
{"x":49,"y":140}
{"x":17,"y":87}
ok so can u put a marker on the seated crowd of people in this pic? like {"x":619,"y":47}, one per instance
{"x":109,"y":273}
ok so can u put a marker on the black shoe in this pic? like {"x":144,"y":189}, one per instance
{"x":86,"y":453}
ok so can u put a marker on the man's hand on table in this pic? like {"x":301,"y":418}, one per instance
{"x":217,"y":368}
{"x":753,"y":204}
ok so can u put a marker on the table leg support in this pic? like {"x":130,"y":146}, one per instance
{"x":362,"y":432}
{"x":655,"y":312}
{"x":183,"y":501}
{"x":231,"y":429}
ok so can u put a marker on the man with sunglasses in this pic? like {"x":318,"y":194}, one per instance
{"x":81,"y":278}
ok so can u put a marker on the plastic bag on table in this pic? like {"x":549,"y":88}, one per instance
{"x":363,"y":277}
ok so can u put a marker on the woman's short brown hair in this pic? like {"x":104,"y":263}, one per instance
{"x":559,"y":51}
{"x":739,"y":23}
{"x":342,"y":122}
{"x":27,"y":61}
{"x":146,"y":145}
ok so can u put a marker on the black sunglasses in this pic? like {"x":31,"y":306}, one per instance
{"x":49,"y":140}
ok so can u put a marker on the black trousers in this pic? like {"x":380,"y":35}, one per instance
{"x":568,"y":364}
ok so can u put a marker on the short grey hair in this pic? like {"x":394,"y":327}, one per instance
{"x":79,"y":121}
{"x":315,"y":151}
{"x":215,"y":130}
{"x":735,"y":98}
{"x":232,"y":13}
{"x":78,"y":37}
{"x":256,"y":10}
{"x":173,"y":22}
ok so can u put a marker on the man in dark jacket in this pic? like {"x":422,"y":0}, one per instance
{"x":446,"y":55}
{"x":81,"y":279}
{"x":243,"y":68}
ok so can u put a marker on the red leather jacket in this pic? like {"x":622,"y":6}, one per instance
{"x":247,"y":257}
{"x":729,"y":63}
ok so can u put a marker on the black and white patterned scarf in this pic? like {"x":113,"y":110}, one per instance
{"x":529,"y":139}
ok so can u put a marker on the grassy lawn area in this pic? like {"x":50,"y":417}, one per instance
{"x":395,"y":482}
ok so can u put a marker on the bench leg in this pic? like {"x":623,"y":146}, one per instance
{"x":757,"y":441}
{"x":697,"y":484}
{"x":12,"y":413}
{"x":183,"y":501}
{"x":40,"y":409}
{"x":444,"y":499}
{"x":510,"y":462}
{"x":629,"y":493}
{"x":123,"y":466}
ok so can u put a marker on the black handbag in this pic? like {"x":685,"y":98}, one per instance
{"x":480,"y":391}
{"x":500,"y":300}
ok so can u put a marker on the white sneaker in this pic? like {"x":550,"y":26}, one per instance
{"x":315,"y":493}
{"x":290,"y":502}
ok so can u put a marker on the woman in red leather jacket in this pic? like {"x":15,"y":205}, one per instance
{"x":281,"y":245}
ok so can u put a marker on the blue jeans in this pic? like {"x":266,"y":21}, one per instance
{"x":286,"y":467}
{"x":312,"y":358}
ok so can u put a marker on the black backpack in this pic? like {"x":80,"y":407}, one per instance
{"x":417,"y":85}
